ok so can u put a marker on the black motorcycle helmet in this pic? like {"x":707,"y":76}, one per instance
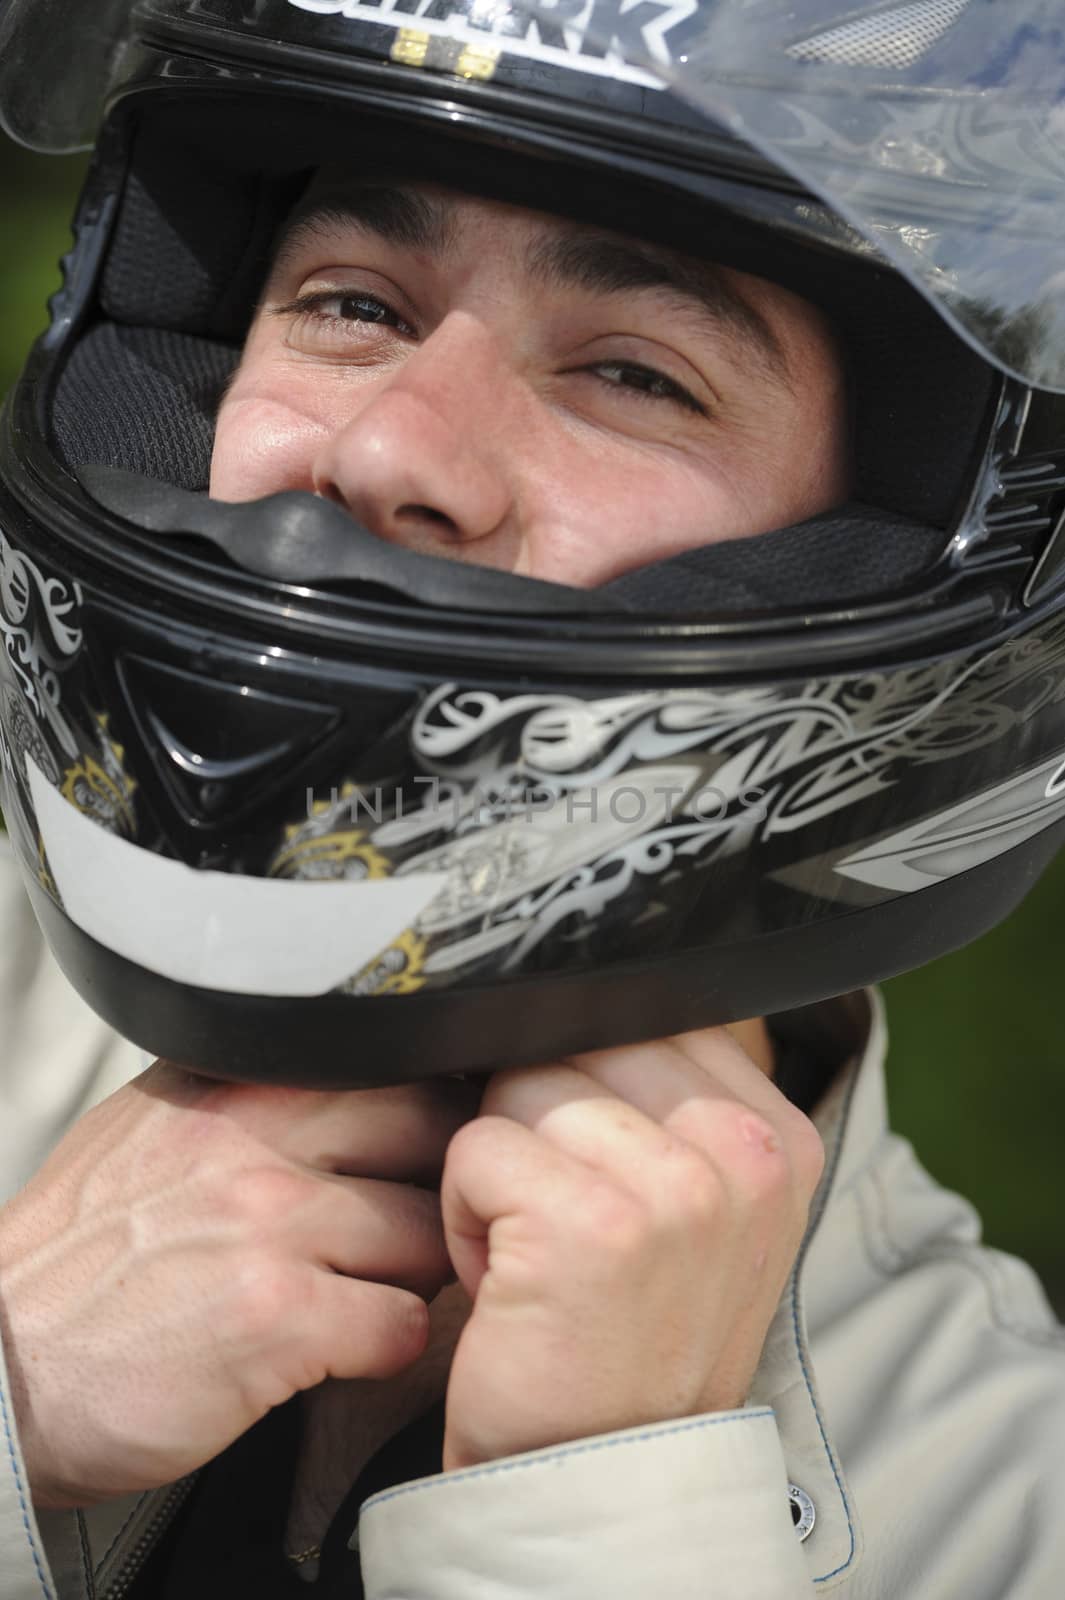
{"x":297,"y":805}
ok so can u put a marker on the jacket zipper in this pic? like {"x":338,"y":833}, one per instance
{"x":149,"y":1536}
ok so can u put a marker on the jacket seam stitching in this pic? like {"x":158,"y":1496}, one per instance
{"x":587,"y":1447}
{"x":827,"y":1187}
{"x":30,"y":1540}
{"x":822,"y":1577}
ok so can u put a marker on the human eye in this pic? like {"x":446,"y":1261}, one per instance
{"x":328,"y":317}
{"x":647,"y":383}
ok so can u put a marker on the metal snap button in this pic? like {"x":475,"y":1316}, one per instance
{"x":803,"y":1514}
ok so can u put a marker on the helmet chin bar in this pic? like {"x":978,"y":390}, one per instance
{"x":343,"y":1041}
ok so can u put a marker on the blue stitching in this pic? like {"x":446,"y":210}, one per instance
{"x":824,"y":1440}
{"x":587,"y":1447}
{"x":22,"y":1498}
{"x":830,"y":1178}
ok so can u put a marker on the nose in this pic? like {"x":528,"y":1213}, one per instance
{"x":416,"y":458}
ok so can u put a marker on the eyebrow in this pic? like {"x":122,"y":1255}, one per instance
{"x":586,"y":259}
{"x":606,"y":265}
{"x":401,"y":217}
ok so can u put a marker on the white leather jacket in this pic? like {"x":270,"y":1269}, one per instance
{"x":912,"y":1386}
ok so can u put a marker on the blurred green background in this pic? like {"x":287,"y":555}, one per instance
{"x":978,"y":1051}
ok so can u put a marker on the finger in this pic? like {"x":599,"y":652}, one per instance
{"x":384,"y":1232}
{"x":586,"y":1119}
{"x":655,"y":1075}
{"x":399,"y":1131}
{"x":498,"y":1169}
{"x":352,"y":1329}
{"x":703,"y":1088}
{"x":715,"y":1050}
{"x":749,"y":1134}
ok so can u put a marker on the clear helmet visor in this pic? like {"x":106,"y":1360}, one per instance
{"x":936,"y":128}
{"x":57,"y":60}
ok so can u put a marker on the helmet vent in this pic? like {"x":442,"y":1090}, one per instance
{"x":897,"y":37}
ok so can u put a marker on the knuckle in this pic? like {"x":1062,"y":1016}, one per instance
{"x":761,"y":1164}
{"x":778,"y":1160}
{"x":742,"y":1152}
{"x":688,"y":1188}
{"x":756,"y":1131}
{"x":264,"y":1198}
{"x":719,"y":1126}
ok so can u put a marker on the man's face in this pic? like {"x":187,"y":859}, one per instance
{"x":480,"y":381}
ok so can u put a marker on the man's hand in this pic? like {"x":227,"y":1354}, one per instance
{"x":625,"y":1224}
{"x":195,"y":1253}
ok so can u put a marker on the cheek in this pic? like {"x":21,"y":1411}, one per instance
{"x":808,"y":464}
{"x":262,"y":447}
{"x":807,"y":468}
{"x":596,"y":513}
{"x":601,"y":513}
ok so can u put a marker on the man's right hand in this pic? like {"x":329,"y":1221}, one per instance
{"x":194,"y":1253}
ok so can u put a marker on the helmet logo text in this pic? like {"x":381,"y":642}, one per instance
{"x":603,"y":37}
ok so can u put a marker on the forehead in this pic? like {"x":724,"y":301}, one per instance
{"x":549,"y":251}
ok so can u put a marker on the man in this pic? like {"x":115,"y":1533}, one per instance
{"x":602,"y":1143}
{"x":472,"y":377}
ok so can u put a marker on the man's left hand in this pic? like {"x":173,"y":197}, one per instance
{"x":624,"y":1224}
